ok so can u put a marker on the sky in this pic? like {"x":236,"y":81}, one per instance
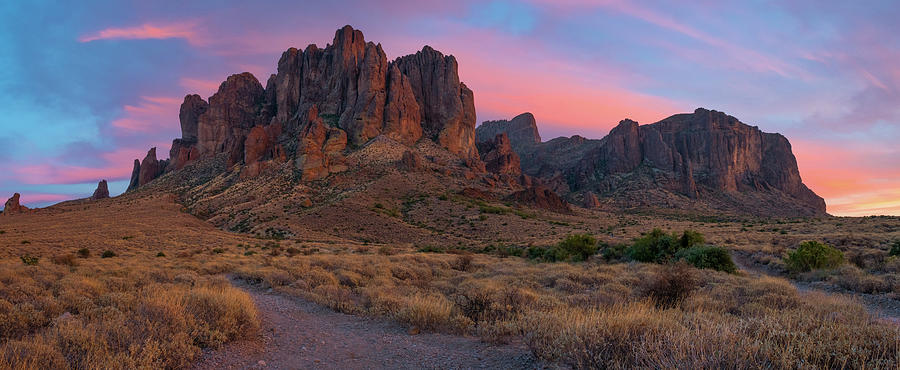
{"x":88,"y":86}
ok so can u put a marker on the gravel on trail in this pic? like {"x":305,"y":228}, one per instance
{"x":298,"y":334}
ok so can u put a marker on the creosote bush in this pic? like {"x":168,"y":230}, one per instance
{"x":895,"y":249}
{"x":84,"y":253}
{"x":813,"y":255}
{"x":660,"y":247}
{"x":708,"y":257}
{"x":108,"y":254}
{"x":29,"y":260}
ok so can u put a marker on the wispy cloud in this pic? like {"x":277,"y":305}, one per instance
{"x":151,"y":114}
{"x":188,"y":31}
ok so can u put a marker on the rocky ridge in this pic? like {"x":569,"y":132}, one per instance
{"x":704,"y":157}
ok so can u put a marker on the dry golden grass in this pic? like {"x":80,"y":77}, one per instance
{"x":123,"y":314}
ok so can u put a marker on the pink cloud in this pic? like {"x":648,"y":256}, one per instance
{"x":119,"y":164}
{"x":184,"y":30}
{"x":151,"y":114}
{"x":205,"y":88}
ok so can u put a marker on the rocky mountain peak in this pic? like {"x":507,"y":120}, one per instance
{"x":522,"y":130}
{"x":704,"y":157}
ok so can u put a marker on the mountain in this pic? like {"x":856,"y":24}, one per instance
{"x":338,"y":119}
{"x":701,"y":160}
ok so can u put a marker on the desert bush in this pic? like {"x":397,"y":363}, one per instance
{"x":576,"y":247}
{"x":84,"y":253}
{"x":614,"y":252}
{"x":708,"y":257}
{"x":895,"y":249}
{"x":654,"y":246}
{"x":813,"y":255}
{"x":690,"y":238}
{"x":160,"y":254}
{"x":65,"y":259}
{"x":462,"y":262}
{"x":108,"y":254}
{"x":29,"y":260}
{"x":671,"y":285}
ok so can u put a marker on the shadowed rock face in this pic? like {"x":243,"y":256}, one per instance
{"x":522,"y":130}
{"x":705,"y":155}
{"x":12,"y":205}
{"x":499,"y":157}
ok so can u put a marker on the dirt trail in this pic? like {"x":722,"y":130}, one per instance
{"x":886,"y":308}
{"x":298,"y":334}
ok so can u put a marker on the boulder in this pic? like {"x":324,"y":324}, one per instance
{"x":102,"y":191}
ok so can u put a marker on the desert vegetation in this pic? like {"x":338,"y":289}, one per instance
{"x":161,"y":299}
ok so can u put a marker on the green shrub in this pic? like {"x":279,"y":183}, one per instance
{"x":160,"y":254}
{"x":708,"y":257}
{"x":577,"y":247}
{"x":895,"y":249}
{"x":660,"y":247}
{"x":108,"y":254}
{"x":812,"y":255}
{"x":249,"y":253}
{"x":690,"y":238}
{"x":84,"y":253}
{"x":614,"y":252}
{"x":655,"y":246}
{"x":29,"y":260}
{"x":492,"y":209}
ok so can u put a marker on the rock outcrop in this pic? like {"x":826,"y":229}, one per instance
{"x":149,"y":168}
{"x":499,"y":157}
{"x":446,"y":106}
{"x":590,"y":200}
{"x":411,"y":161}
{"x":12,"y":205}
{"x":135,"y":176}
{"x":102,"y":191}
{"x":541,"y":197}
{"x":707,"y":156}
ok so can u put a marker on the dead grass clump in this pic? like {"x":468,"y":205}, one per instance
{"x":65,"y":259}
{"x":431,"y":312}
{"x":462,"y":263}
{"x":672,"y":284}
{"x":223,"y":314}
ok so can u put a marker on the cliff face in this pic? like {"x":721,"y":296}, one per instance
{"x":356,"y":95}
{"x":706,"y":156}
